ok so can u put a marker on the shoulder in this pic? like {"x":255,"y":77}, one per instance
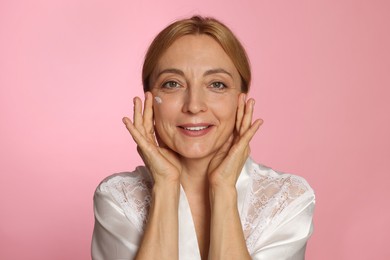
{"x":266,"y":181}
{"x":126,"y":180}
{"x":273,"y":198}
{"x":130,"y":191}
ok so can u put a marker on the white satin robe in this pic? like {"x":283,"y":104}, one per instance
{"x":275,"y":210}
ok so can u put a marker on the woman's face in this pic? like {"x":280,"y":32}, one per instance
{"x":197,"y":86}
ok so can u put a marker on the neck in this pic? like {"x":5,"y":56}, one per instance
{"x":194,"y":176}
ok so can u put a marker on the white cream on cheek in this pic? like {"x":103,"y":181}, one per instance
{"x":158,"y":99}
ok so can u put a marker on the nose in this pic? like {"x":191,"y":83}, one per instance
{"x":194,"y":100}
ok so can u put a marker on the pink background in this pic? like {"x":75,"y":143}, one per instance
{"x":69,"y":70}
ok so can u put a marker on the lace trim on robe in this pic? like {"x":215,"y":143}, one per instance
{"x":133,"y":192}
{"x":268,"y":196}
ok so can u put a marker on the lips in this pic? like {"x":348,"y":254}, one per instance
{"x":195,"y":130}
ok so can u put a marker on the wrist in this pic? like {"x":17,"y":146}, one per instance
{"x":223,"y":195}
{"x":166,"y":189}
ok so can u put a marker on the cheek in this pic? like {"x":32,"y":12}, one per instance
{"x":160,"y":115}
{"x":165,"y":106}
{"x":226,"y":109}
{"x":164,"y":115}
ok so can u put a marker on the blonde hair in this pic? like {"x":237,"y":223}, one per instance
{"x":198,"y":25}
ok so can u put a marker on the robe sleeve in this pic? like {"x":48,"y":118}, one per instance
{"x":286,"y":238}
{"x":115,"y":237}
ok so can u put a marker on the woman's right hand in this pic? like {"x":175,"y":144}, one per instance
{"x":160,"y":239}
{"x":162,"y":162}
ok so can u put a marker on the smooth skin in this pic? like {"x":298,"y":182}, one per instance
{"x":200,"y":88}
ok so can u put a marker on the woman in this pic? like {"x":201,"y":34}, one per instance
{"x":199,"y":195}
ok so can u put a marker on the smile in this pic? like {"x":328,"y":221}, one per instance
{"x":195,"y":130}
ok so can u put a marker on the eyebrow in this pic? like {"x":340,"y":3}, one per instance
{"x":217,"y":71}
{"x":207,"y":73}
{"x":173,"y":71}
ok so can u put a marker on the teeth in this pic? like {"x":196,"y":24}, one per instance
{"x":195,"y":128}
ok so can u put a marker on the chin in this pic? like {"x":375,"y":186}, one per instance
{"x":195,"y":153}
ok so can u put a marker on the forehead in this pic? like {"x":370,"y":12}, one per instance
{"x":196,"y":51}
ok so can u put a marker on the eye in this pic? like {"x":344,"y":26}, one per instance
{"x":218,"y":85}
{"x":170,"y":84}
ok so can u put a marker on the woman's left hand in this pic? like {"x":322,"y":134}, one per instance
{"x":225,"y":167}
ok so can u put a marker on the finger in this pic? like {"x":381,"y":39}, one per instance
{"x":248,"y":135}
{"x":135,"y":133}
{"x":137,"y":117}
{"x":129,"y":126}
{"x":240,"y":111}
{"x":241,"y":147}
{"x":247,"y":119}
{"x":226,"y":146}
{"x":148,"y":117}
{"x":148,"y":112}
{"x":221,"y":154}
{"x":146,"y":150}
